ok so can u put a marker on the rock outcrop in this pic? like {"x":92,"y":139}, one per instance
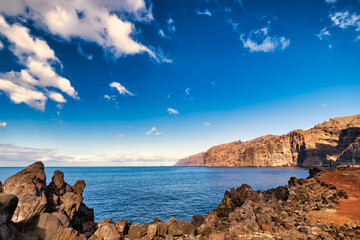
{"x":280,"y":213}
{"x":31,"y":210}
{"x":326,"y":144}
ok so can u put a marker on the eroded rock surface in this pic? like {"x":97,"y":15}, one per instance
{"x":325,"y":144}
{"x":37,"y":211}
{"x":29,"y":186}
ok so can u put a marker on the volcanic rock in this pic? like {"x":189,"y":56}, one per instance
{"x":329,"y":143}
{"x":29,"y":186}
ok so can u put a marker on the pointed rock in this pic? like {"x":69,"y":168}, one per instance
{"x":29,"y":186}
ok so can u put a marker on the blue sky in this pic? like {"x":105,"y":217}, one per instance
{"x":135,"y":82}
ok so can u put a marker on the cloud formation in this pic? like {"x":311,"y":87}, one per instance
{"x":121,"y":89}
{"x":206,"y":12}
{"x":260,"y":41}
{"x":155,"y":131}
{"x":345,"y":19}
{"x":324,"y":34}
{"x":30,"y":84}
{"x":91,"y":20}
{"x":172,"y":111}
{"x":187,"y":91}
{"x":12,"y":155}
{"x":3,"y":124}
{"x":207,"y":124}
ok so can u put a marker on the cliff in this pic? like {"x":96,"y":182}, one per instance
{"x":329,"y":143}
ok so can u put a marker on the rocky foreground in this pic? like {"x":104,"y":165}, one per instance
{"x":303,"y":209}
{"x":330,"y":143}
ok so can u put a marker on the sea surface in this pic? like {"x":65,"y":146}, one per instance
{"x":140,"y":194}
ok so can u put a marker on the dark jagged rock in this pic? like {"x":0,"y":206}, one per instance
{"x":58,"y":198}
{"x":29,"y":186}
{"x":8,"y":204}
{"x":47,"y":226}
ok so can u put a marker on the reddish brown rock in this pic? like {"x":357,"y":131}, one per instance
{"x":29,"y":186}
{"x":324,"y":144}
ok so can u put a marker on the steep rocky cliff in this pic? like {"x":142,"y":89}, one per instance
{"x":329,"y":143}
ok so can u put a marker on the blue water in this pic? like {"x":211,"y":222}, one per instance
{"x":140,"y":194}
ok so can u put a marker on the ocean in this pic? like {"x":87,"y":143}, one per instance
{"x":140,"y":194}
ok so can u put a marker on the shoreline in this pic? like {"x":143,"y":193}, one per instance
{"x":277,"y":213}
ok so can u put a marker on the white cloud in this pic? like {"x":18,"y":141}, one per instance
{"x":345,"y":19}
{"x":152,"y":130}
{"x":324,"y":34}
{"x":91,"y":20}
{"x":119,"y":136}
{"x":3,"y":124}
{"x":260,"y":41}
{"x":324,"y":105}
{"x":172,"y":111}
{"x":1,"y":45}
{"x":205,"y":12}
{"x":121,"y":89}
{"x":207,"y":124}
{"x":155,"y":131}
{"x":187,"y":91}
{"x":29,"y":85}
{"x":161,"y":33}
{"x":331,"y":1}
{"x":171,"y":25}
{"x":12,"y":155}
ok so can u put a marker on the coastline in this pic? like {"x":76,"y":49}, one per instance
{"x":276,"y":213}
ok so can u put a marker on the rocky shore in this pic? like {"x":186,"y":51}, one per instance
{"x":304,"y":209}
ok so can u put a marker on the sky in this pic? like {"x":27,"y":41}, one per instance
{"x":147,"y":82}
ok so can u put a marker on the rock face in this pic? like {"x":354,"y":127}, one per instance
{"x":194,"y":160}
{"x":29,"y":186}
{"x":329,"y":143}
{"x":31,"y":210}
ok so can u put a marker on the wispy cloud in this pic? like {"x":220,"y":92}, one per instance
{"x":12,"y":155}
{"x":119,"y":135}
{"x":121,"y":89}
{"x":260,"y":41}
{"x":155,"y":131}
{"x":81,"y":52}
{"x":346,"y":19}
{"x":3,"y":124}
{"x":207,"y":124}
{"x":152,"y":130}
{"x":171,"y":25}
{"x":161,"y":33}
{"x":172,"y":111}
{"x":205,"y":12}
{"x":187,"y":91}
{"x":324,"y":34}
{"x":331,"y":1}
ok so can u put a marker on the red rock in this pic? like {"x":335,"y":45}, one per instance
{"x":265,"y":227}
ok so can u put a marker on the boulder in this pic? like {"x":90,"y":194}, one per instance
{"x":8,"y":204}
{"x":123,"y":226}
{"x":46,"y":226}
{"x":29,"y":186}
{"x":136,"y":231}
{"x":197,"y":220}
{"x":107,"y":231}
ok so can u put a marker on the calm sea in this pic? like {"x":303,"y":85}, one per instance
{"x":140,"y":194}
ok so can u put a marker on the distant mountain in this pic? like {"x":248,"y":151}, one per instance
{"x":328,"y":143}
